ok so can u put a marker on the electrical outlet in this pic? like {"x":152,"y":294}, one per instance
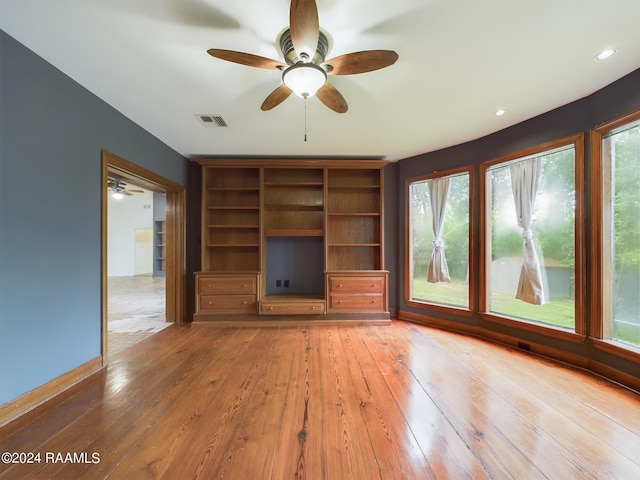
{"x":286,"y":284}
{"x":278,"y":283}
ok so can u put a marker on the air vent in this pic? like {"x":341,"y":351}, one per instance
{"x":212,"y":120}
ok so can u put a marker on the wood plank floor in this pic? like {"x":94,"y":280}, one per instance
{"x":389,"y":402}
{"x":136,"y":310}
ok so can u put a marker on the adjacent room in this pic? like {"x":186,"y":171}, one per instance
{"x":136,"y":264}
{"x":317,"y":239}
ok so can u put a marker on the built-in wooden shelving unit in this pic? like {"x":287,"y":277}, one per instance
{"x":247,"y":202}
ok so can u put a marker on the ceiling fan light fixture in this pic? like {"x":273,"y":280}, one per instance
{"x":117,"y":196}
{"x":304,"y":79}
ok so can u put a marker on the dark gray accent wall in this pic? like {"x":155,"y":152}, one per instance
{"x":52,"y":132}
{"x":619,"y":98}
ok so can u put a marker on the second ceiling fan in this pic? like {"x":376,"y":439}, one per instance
{"x":304,"y":69}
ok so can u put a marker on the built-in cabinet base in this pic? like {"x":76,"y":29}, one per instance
{"x":358,"y":297}
{"x":357,"y":291}
{"x":226,"y":293}
{"x":292,"y":305}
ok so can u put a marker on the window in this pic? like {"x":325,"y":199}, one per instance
{"x":619,"y":276}
{"x":438,"y":250}
{"x":532,"y":232}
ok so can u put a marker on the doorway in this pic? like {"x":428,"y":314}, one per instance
{"x":136,"y":219}
{"x":164,"y":274}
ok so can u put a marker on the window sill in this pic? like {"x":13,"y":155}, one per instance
{"x":618,"y":349}
{"x":546,"y":330}
{"x":440,"y":307}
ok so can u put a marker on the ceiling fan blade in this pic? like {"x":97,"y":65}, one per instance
{"x":332,"y":98}
{"x":305,"y":27}
{"x":360,"y":62}
{"x":247,"y":59}
{"x":276,"y":97}
{"x":133,"y":191}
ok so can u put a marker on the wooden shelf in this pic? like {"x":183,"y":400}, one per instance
{"x":231,"y":220}
{"x":233,"y":245}
{"x":292,"y":233}
{"x":160,"y":247}
{"x":354,"y":214}
{"x":354,"y":220}
{"x":233,"y":226}
{"x":351,"y":178}
{"x":353,"y":187}
{"x":353,"y":245}
{"x":228,"y":207}
{"x":294,"y":184}
{"x":233,"y":189}
{"x":293,"y":176}
{"x":293,"y":206}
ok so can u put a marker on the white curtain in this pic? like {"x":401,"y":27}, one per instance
{"x":525,"y":176}
{"x":438,"y":270}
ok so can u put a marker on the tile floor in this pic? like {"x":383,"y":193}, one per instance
{"x":136,"y":310}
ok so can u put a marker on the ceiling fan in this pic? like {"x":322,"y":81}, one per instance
{"x":304,"y":70}
{"x":118,"y":187}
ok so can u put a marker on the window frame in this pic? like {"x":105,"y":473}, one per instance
{"x":580,"y":332}
{"x":600,"y":171}
{"x":472,"y":254}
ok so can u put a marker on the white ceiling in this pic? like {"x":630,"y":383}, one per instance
{"x":460,"y":61}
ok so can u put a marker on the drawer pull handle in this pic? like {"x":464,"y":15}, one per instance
{"x":210,"y":303}
{"x":244,"y":303}
{"x":373,"y":301}
{"x":339,"y":285}
{"x":270,"y":308}
{"x":373,"y":285}
{"x":244,"y":285}
{"x":209,"y":286}
{"x":339,"y":301}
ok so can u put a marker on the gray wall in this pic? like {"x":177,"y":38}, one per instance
{"x":52,"y":132}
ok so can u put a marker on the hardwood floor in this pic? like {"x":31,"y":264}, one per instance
{"x":388,"y":402}
{"x":136,"y":310}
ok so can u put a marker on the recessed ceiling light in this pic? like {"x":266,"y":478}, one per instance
{"x":605,"y":54}
{"x":500,"y":112}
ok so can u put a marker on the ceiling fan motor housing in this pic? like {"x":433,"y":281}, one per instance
{"x":290,"y":55}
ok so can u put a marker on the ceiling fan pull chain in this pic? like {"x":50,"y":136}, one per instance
{"x":305,"y":119}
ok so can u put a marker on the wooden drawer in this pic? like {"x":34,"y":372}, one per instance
{"x":362,"y":303}
{"x":228,"y":303}
{"x":292,"y":308}
{"x":360,"y":285}
{"x":232,"y":284}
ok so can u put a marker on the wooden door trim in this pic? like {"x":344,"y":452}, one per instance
{"x":175,"y":224}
